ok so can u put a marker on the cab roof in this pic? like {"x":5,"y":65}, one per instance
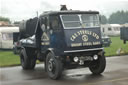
{"x":68,"y":12}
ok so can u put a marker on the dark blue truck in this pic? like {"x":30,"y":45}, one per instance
{"x":63,"y":40}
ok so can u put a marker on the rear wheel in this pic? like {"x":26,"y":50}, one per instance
{"x":98,"y":66}
{"x":53,"y":66}
{"x":28,"y":60}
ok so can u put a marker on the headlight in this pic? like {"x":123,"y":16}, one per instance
{"x":76,"y":59}
{"x":95,"y":57}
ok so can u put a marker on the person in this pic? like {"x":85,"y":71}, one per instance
{"x":63,"y":7}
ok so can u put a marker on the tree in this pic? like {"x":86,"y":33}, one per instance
{"x":119,"y":17}
{"x":17,"y":22}
{"x":4,"y":19}
{"x":103,"y":19}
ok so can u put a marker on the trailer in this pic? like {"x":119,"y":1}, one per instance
{"x":6,"y":37}
{"x":111,"y":29}
{"x":64,"y":39}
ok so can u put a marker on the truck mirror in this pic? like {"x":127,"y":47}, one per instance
{"x":100,"y":18}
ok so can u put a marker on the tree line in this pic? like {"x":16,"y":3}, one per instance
{"x":119,"y":17}
{"x":4,"y":19}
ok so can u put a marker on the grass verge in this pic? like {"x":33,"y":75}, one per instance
{"x":115,"y":46}
{"x":7,"y":58}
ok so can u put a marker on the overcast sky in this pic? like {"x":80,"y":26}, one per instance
{"x":23,"y":9}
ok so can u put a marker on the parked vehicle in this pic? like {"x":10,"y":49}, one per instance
{"x":106,"y":40}
{"x":16,"y":45}
{"x":124,"y":34}
{"x":6,"y":37}
{"x":63,"y":40}
{"x":111,"y":29}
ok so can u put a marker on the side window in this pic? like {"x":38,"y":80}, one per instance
{"x":55,"y":22}
{"x":7,"y":36}
{"x":109,"y":29}
{"x":44,"y":23}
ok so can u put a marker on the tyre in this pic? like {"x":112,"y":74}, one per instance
{"x":98,"y":66}
{"x":28,"y":60}
{"x":53,"y":66}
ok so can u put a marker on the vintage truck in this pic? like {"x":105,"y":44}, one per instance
{"x":63,"y":40}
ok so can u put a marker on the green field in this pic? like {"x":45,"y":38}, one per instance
{"x":116,"y":45}
{"x":7,"y":58}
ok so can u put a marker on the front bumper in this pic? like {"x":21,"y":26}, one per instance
{"x":83,"y":50}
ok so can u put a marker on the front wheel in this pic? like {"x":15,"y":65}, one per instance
{"x":53,"y":66}
{"x":98,"y":66}
{"x":27,"y":58}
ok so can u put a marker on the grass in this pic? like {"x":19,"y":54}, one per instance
{"x":116,"y":45}
{"x":7,"y":58}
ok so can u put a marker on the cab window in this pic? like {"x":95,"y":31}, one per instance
{"x":55,"y":24}
{"x":70,"y":21}
{"x":80,"y":20}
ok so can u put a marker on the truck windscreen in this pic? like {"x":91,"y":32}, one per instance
{"x":80,"y":20}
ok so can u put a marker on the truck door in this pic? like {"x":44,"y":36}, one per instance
{"x":55,"y":32}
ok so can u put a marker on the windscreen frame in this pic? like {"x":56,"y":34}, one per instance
{"x":81,"y":21}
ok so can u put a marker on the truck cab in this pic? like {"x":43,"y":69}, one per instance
{"x":70,"y":31}
{"x":65,"y":39}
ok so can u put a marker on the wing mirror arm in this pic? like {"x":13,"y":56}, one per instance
{"x":100,"y":18}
